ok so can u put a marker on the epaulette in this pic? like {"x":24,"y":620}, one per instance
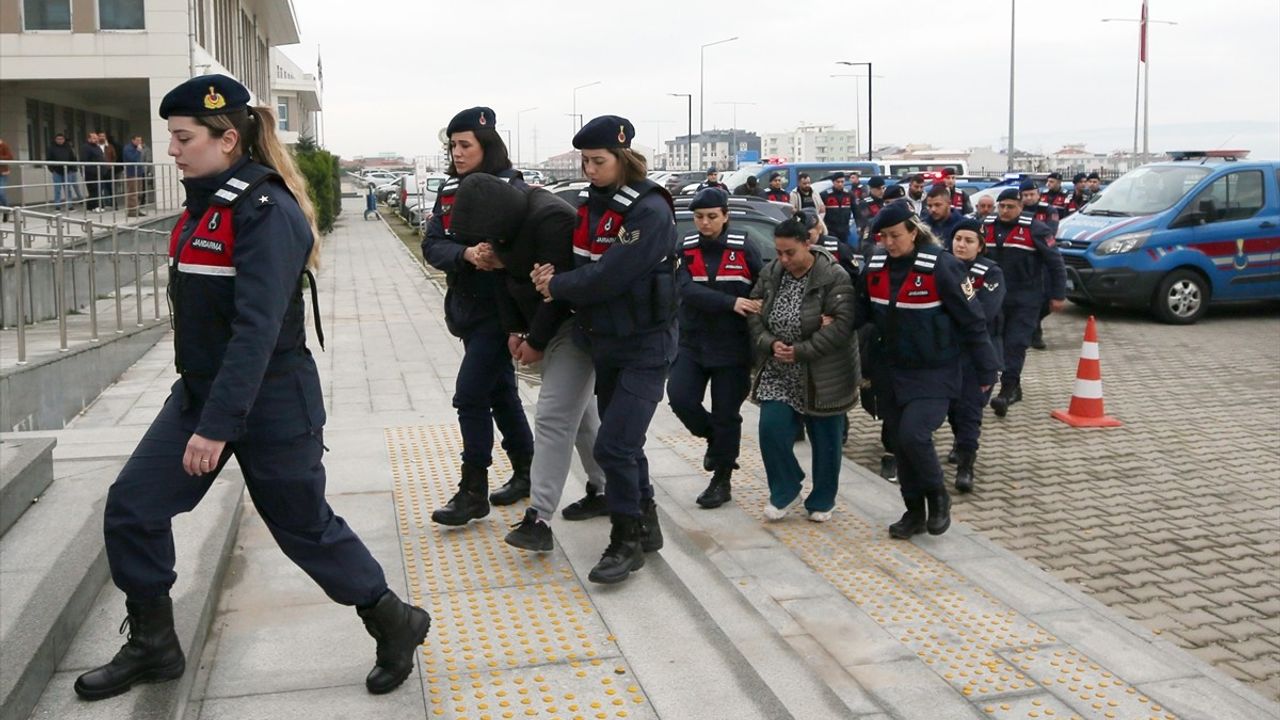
{"x":238,"y":186}
{"x":1025,"y":219}
{"x":627,"y":195}
{"x":735,"y":240}
{"x":989,"y":220}
{"x":980,"y":268}
{"x":450,"y":186}
{"x":925,"y":262}
{"x":691,"y":240}
{"x":877,"y":261}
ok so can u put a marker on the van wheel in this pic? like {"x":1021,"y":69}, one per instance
{"x":1181,"y":298}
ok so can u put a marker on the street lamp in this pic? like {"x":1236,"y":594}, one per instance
{"x":575,"y":102}
{"x":519,"y":157}
{"x":870,"y":145}
{"x":1142,"y":82}
{"x":702,"y":80}
{"x":689,"y":137}
{"x":857,"y":102}
{"x":733,"y":130}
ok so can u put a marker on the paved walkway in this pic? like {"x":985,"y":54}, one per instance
{"x":734,"y":618}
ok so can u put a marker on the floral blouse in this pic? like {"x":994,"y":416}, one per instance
{"x":784,"y":382}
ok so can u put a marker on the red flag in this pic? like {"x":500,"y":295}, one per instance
{"x":1142,"y":34}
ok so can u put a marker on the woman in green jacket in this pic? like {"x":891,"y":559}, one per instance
{"x":808,"y":368}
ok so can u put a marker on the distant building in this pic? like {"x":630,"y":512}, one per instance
{"x":382,"y":160}
{"x":812,"y":143}
{"x":720,"y":148}
{"x":295,"y":95}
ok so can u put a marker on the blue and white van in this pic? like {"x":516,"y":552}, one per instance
{"x":1172,"y":236}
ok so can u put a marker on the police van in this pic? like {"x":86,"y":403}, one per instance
{"x":1173,"y":236}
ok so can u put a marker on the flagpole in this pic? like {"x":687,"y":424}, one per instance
{"x":1146,"y":80}
{"x":1137,"y":102}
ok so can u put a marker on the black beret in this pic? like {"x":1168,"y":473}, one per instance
{"x":876,"y":181}
{"x":895,"y":191}
{"x":1094,"y":176}
{"x":970,"y":224}
{"x":1055,"y":176}
{"x":712,"y":197}
{"x":892,"y":214}
{"x":1008,"y":194}
{"x":1079,"y":177}
{"x":838,"y":176}
{"x":775,"y":176}
{"x":472,"y":119}
{"x":205,"y":95}
{"x":1026,"y":185}
{"x":605,"y":132}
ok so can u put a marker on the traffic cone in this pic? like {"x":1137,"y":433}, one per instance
{"x":1086,"y":402}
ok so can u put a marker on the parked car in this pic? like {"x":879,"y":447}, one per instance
{"x":679,"y":180}
{"x":1173,"y":236}
{"x":791,"y":172}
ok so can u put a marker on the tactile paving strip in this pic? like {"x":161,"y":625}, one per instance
{"x":513,"y":634}
{"x":987,"y":652}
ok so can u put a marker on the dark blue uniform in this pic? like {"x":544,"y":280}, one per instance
{"x":624,"y":293}
{"x":237,"y":258}
{"x":839,"y":212}
{"x":844,"y":254}
{"x":927,"y":316}
{"x":1023,"y":249}
{"x":715,"y":344}
{"x":943,"y":229}
{"x":486,"y":391}
{"x":965,"y":415}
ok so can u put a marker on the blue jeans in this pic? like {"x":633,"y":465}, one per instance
{"x":779,"y":424}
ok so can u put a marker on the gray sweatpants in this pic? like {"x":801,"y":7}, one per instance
{"x":565,"y":417}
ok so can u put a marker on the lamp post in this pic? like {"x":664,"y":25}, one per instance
{"x":519,"y":157}
{"x":857,"y":104}
{"x":575,"y":102}
{"x":689,"y":136}
{"x":870,"y":144}
{"x":658,"y":126}
{"x":1013,"y":31}
{"x":1142,"y":83}
{"x":733,"y":131}
{"x":702,"y":80}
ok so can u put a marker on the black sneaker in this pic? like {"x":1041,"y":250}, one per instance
{"x":889,"y":468}
{"x":531,"y":533}
{"x":590,"y":506}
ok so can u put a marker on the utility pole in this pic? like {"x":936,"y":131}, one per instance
{"x":702,"y":81}
{"x":1013,"y":27}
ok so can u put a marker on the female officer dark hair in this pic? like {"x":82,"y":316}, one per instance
{"x":496,"y":158}
{"x":249,"y":388}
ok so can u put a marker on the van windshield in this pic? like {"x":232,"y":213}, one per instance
{"x":1147,"y":190}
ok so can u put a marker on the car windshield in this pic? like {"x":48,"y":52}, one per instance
{"x":1147,"y":190}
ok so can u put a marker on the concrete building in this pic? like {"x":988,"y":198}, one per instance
{"x":295,"y":95}
{"x":720,"y":148}
{"x":812,"y":143}
{"x":77,"y":65}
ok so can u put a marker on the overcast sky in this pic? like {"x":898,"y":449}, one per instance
{"x":397,"y":70}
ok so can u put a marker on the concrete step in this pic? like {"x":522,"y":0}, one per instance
{"x":26,"y":469}
{"x":203,"y":540}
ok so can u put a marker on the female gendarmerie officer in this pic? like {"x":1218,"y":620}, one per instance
{"x":927,"y":313}
{"x":485,"y":392}
{"x":249,"y":389}
{"x":624,"y":294}
{"x":965,"y":415}
{"x":719,"y":268}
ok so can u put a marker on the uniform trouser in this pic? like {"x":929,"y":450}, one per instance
{"x":911,"y":425}
{"x":627,"y":398}
{"x":723,"y":425}
{"x":1019,"y":323}
{"x":486,"y":393}
{"x":965,"y":414}
{"x":286,"y":481}
{"x":1044,"y":299}
{"x":839,"y":233}
{"x":565,"y":417}
{"x":779,"y":423}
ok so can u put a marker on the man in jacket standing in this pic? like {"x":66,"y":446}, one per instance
{"x":58,"y":154}
{"x":92,"y":153}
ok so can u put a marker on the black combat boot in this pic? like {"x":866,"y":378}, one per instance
{"x":530,"y":533}
{"x":952,"y":455}
{"x":399,"y":629}
{"x":151,"y":654}
{"x":651,"y":540}
{"x":1009,"y":394}
{"x":964,"y":470}
{"x":708,"y":462}
{"x":624,"y":554}
{"x":912,"y":521}
{"x":517,"y":488}
{"x":1037,"y":339}
{"x":939,"y":512}
{"x":470,"y":502}
{"x":717,"y":493}
{"x":591,"y":505}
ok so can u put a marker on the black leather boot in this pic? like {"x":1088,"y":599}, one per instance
{"x":151,"y":654}
{"x":912,"y":521}
{"x":471,"y":502}
{"x":953,"y":455}
{"x":399,"y":628}
{"x":1009,"y":394}
{"x":939,"y":512}
{"x":964,"y":470}
{"x":624,"y":554}
{"x":651,"y":540}
{"x":591,"y":505}
{"x":717,"y":493}
{"x":517,"y":488}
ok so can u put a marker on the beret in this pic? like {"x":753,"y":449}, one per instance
{"x":472,"y":119}
{"x":876,"y":181}
{"x":1008,"y":194}
{"x":205,"y":95}
{"x":970,"y":224}
{"x":1026,"y":185}
{"x":1055,"y":176}
{"x":895,"y":191}
{"x":775,"y":176}
{"x":892,"y":214}
{"x":837,"y":176}
{"x":712,"y":197}
{"x":605,"y":132}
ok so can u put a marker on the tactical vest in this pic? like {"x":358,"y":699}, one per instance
{"x":777,"y":195}
{"x":957,"y":200}
{"x":1018,"y":238}
{"x":448,"y":192}
{"x":915,"y":331}
{"x":1040,"y":212}
{"x":732,"y":276}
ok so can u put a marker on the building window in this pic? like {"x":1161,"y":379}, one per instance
{"x":46,"y":14}
{"x":282,"y":110}
{"x":121,"y":15}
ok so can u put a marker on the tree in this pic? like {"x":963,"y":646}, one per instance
{"x":320,"y":168}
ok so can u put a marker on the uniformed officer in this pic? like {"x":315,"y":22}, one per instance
{"x":870,"y":205}
{"x":776,"y":192}
{"x":715,"y":278}
{"x":1079,"y":194}
{"x":959,"y":200}
{"x":713,"y":181}
{"x":624,"y":293}
{"x":849,"y":259}
{"x":965,"y":414}
{"x":248,"y":389}
{"x":839,"y":208}
{"x":1023,"y":248}
{"x":485,"y":391}
{"x":926,"y":310}
{"x":1054,"y":196}
{"x":940,"y":216}
{"x":1040,"y":210}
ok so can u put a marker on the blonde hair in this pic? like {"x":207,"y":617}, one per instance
{"x":256,"y":127}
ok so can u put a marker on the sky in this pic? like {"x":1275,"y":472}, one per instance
{"x":395,"y":73}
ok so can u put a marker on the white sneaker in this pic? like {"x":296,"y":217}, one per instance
{"x":774,"y":514}
{"x":820,"y":516}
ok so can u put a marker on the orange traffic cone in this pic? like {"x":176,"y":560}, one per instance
{"x":1086,"y":402}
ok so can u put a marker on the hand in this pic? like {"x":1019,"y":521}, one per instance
{"x":202,"y":455}
{"x":541,"y":277}
{"x":1057,"y":305}
{"x":488,"y":259}
{"x":471,"y":255}
{"x":745,"y":307}
{"x":514,"y":342}
{"x":984,"y":388}
{"x":827,"y":320}
{"x":527,"y":355}
{"x":783,"y":352}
